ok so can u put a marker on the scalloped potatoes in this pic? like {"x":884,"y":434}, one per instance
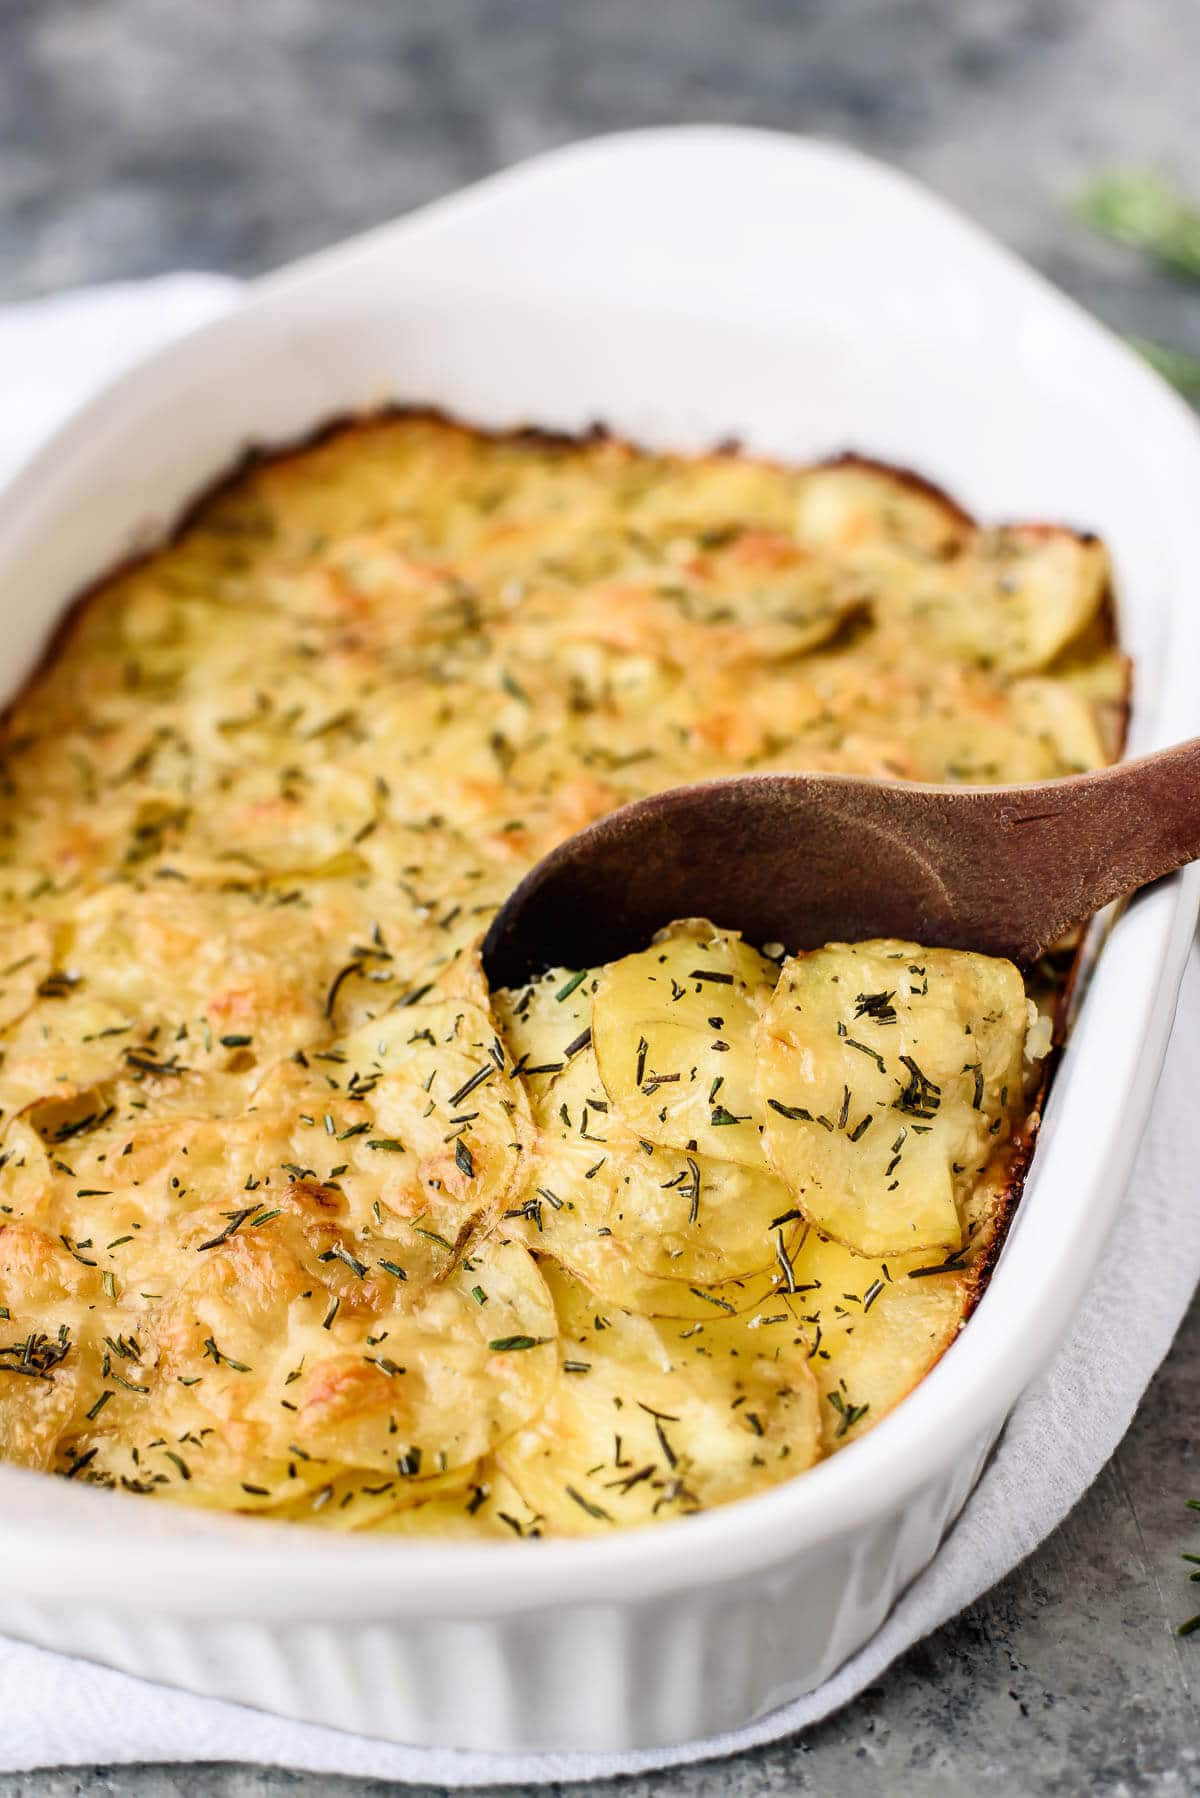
{"x":887,"y":1075}
{"x":295,"y":1216}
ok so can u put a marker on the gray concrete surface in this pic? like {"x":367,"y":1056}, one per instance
{"x":139,"y":135}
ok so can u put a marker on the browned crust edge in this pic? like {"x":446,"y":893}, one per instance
{"x":255,"y":457}
{"x":979,"y":1272}
{"x":904,"y":477}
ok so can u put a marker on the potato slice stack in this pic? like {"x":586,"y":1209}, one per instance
{"x":352,"y":1331}
{"x":759,"y":1193}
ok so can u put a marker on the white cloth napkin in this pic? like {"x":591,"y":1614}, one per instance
{"x":56,"y":1711}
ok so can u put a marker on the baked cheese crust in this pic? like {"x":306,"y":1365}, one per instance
{"x":272,"y":1226}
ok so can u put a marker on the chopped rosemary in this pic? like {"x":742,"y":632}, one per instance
{"x":585,"y":1504}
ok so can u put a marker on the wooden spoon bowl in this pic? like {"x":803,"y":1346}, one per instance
{"x":805,"y":859}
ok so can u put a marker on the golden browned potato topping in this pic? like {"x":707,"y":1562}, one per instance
{"x":295,"y":1216}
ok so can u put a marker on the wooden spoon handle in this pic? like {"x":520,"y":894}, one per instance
{"x":1065,"y":848}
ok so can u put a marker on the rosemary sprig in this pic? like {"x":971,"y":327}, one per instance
{"x":1142,"y":210}
{"x":1192,"y":1626}
{"x":1178,"y":367}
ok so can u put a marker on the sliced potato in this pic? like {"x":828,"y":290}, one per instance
{"x":669,"y":1214}
{"x":489,"y":1505}
{"x":417,"y":1386}
{"x":421,"y":1115}
{"x":440,"y":1084}
{"x":653,"y":1419}
{"x":464,"y":1504}
{"x":906,"y":1334}
{"x":673,"y":1029}
{"x":476,"y":1355}
{"x":1092,"y":667}
{"x":735,"y":599}
{"x":604,"y":1264}
{"x":887,"y":1076}
{"x":1012,"y":600}
{"x":875,"y":1328}
{"x":1063,"y":719}
{"x":845,"y":504}
{"x":26,"y":962}
{"x":545,"y":1023}
{"x":358,"y":1501}
{"x":676,"y":499}
{"x":759,"y":596}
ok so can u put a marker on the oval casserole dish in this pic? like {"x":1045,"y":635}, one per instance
{"x":501,"y":307}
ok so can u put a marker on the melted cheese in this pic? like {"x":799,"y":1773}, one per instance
{"x":270,"y":1235}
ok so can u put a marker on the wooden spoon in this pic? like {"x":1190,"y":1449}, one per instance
{"x":806,"y":859}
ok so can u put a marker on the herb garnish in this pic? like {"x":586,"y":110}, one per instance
{"x":848,"y":1414}
{"x":863,"y":1049}
{"x":1192,"y":1624}
{"x":920,"y":1097}
{"x":876,"y":1006}
{"x":593,"y":1510}
{"x":38,"y":1355}
{"x":796,"y":1113}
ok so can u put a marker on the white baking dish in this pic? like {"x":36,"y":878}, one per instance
{"x":683,"y":286}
